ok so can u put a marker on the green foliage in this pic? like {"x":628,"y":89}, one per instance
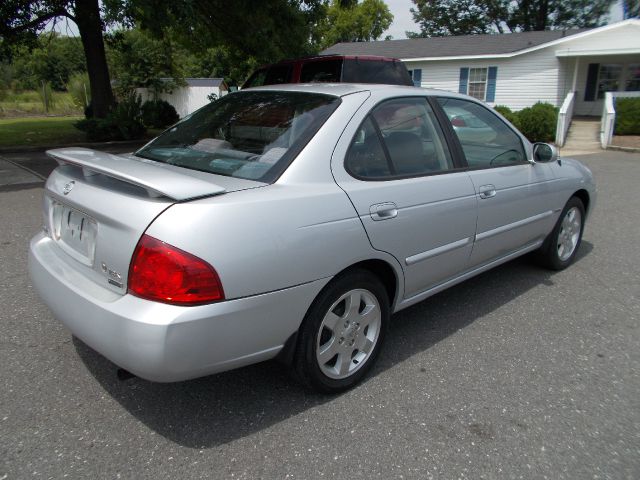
{"x":538,"y":123}
{"x":464,"y":17}
{"x":124,"y":122}
{"x":137,"y":60}
{"x":507,"y":113}
{"x":158,"y":114}
{"x":79,"y":89}
{"x":627,"y":116}
{"x":355,"y":22}
{"x":54,"y":59}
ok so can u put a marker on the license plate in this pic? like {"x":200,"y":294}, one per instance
{"x":75,"y":232}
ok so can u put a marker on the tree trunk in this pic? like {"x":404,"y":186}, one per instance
{"x":87,"y":18}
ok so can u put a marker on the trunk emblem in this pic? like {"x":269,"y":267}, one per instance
{"x":68,"y":187}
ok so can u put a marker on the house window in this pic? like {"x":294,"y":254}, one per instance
{"x":632,"y":83}
{"x":478,"y":83}
{"x":608,"y":79}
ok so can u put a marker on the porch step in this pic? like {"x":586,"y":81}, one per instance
{"x":583,"y":136}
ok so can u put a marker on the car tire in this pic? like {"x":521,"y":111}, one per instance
{"x":560,"y":247}
{"x":338,"y":341}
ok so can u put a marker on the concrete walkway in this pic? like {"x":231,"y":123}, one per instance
{"x":583,"y":137}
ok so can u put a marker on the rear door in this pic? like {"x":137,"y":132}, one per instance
{"x":515,"y":207}
{"x":413,"y":200}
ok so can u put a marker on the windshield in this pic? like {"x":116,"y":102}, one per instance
{"x":250,"y":135}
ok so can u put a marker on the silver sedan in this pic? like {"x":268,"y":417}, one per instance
{"x":291,"y":222}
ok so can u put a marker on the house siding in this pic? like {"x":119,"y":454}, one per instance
{"x":521,"y":81}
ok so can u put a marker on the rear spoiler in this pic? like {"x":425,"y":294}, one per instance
{"x":159,"y":179}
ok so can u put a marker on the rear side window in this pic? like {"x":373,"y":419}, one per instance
{"x":375,"y":71}
{"x":321,"y":71}
{"x":269,"y":76}
{"x":399,"y":138}
{"x":253,"y":135}
{"x":485,"y":139}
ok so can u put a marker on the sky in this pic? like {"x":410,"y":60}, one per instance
{"x":402,"y":19}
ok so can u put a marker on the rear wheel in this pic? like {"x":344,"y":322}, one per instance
{"x":560,"y":248}
{"x":342,"y":333}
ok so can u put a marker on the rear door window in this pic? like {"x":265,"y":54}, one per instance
{"x":321,"y":71}
{"x":400,"y":138}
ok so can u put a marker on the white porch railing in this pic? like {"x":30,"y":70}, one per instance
{"x":608,"y":119}
{"x":564,"y":118}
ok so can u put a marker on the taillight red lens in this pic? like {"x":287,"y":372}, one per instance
{"x":164,"y":273}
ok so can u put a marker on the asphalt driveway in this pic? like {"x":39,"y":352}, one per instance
{"x":517,"y":373}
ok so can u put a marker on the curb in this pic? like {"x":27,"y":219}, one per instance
{"x":42,"y":148}
{"x":623,"y":149}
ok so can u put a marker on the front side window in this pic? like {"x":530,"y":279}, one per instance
{"x":252,"y":135}
{"x":485,"y":139}
{"x":478,"y":83}
{"x":608,"y":79}
{"x":399,"y":138}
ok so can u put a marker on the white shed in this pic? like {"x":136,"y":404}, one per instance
{"x":195,"y":94}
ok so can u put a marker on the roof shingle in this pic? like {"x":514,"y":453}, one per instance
{"x":453,"y":46}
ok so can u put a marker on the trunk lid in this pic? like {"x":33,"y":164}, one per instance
{"x":97,"y":206}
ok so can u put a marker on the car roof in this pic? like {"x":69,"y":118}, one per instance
{"x":342,"y":89}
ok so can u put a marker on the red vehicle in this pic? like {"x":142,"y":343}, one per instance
{"x":332,"y":68}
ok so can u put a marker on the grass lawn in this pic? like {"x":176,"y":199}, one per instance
{"x":39,"y":131}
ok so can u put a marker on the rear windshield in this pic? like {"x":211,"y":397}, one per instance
{"x":375,"y":71}
{"x":250,"y":135}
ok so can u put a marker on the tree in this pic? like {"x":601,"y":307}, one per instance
{"x":354,"y":22}
{"x":21,"y":21}
{"x":267,"y":30}
{"x":451,"y":17}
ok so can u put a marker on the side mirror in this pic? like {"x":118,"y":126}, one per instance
{"x":543,"y":152}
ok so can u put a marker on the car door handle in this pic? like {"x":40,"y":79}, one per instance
{"x":487,"y":191}
{"x":383,"y":211}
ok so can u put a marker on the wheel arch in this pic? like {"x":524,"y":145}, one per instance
{"x":584,"y":197}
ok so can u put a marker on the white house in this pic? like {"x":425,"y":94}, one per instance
{"x":195,"y":94}
{"x":520,"y":69}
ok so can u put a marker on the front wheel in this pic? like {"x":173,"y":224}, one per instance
{"x":342,"y":333}
{"x":560,"y":248}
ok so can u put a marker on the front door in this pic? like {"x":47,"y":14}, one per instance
{"x":514,"y":196}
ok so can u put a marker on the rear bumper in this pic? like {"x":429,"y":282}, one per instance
{"x":162,"y":342}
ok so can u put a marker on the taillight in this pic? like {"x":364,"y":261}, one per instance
{"x":164,"y":273}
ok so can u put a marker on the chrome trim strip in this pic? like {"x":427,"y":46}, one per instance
{"x":407,"y":302}
{"x":437,"y":251}
{"x":511,"y":226}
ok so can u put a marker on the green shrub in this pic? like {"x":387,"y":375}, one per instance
{"x":538,"y":123}
{"x":124,"y":122}
{"x":79,"y":89}
{"x":627,"y":116}
{"x":158,"y":114}
{"x":507,"y":113}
